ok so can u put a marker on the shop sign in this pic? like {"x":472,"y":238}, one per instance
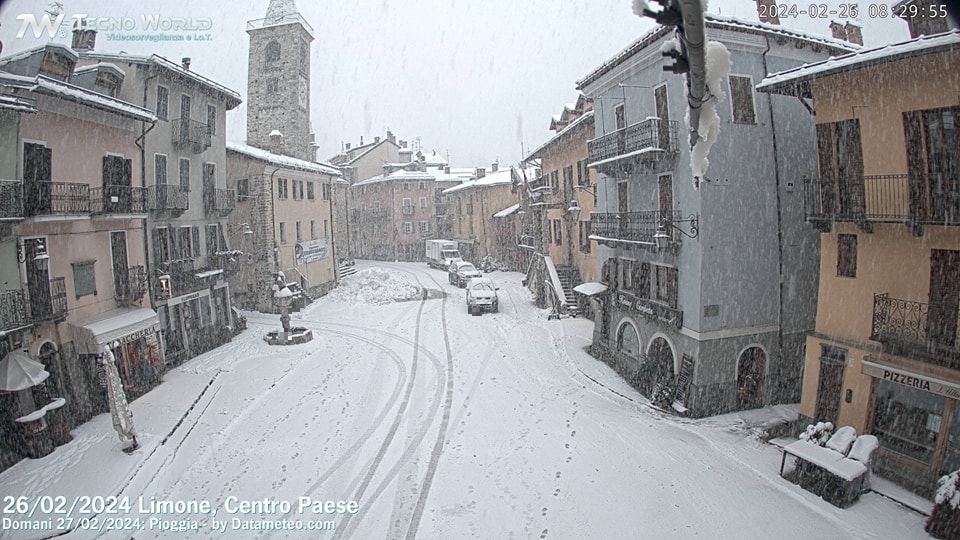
{"x":311,"y":250}
{"x":913,"y":380}
{"x":650,"y":310}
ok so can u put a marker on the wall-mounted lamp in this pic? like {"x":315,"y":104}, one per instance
{"x":574,"y":209}
{"x":41,"y":258}
{"x":663,"y":239}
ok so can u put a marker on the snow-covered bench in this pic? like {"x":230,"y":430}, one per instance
{"x":839,"y":471}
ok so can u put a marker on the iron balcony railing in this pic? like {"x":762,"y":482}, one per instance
{"x":171,"y":198}
{"x":638,"y":227}
{"x":889,"y":198}
{"x":13,"y":310}
{"x":650,"y":134}
{"x":219,"y":200}
{"x":11,"y":200}
{"x":131,"y":286}
{"x":56,"y":198}
{"x":908,"y":322}
{"x":49,"y":304}
{"x":118,"y":200}
{"x":190,"y":133}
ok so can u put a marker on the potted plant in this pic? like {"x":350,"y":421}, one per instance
{"x":944,"y":522}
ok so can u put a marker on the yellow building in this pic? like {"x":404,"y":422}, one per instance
{"x":885,"y":354}
{"x":568,"y":200}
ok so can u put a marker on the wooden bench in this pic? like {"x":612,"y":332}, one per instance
{"x":838,"y":473}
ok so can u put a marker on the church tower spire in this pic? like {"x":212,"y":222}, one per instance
{"x":278,"y":80}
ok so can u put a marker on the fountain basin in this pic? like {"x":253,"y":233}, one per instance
{"x":295,"y":336}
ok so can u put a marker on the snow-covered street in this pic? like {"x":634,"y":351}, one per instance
{"x":437,"y":424}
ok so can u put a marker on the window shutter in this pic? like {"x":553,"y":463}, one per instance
{"x":913,"y":137}
{"x":825,"y":156}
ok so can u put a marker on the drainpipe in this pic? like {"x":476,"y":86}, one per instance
{"x":776,"y":169}
{"x":333,"y":247}
{"x":141,"y":144}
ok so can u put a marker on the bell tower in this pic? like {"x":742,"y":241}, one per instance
{"x":278,"y":80}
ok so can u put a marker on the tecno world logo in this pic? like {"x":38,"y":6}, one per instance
{"x":54,"y":26}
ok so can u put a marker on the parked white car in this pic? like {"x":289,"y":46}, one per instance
{"x":482,"y":296}
{"x":462,"y":272}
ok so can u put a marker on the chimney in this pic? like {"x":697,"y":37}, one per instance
{"x":838,"y":31}
{"x":403,"y":144}
{"x":348,"y":147}
{"x":376,"y":140}
{"x":494,"y":166}
{"x":446,"y":169}
{"x":406,"y":155}
{"x":854,"y":33}
{"x":481,"y":172}
{"x":84,"y":39}
{"x":186,"y":63}
{"x":276,"y":142}
{"x":767,"y":10}
{"x":391,"y":137}
{"x":361,"y":140}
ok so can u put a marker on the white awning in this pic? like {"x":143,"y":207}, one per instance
{"x":591,"y":288}
{"x":119,"y":325}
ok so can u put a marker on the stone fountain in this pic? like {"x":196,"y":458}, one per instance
{"x":286,"y":335}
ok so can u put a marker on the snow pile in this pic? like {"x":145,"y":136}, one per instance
{"x":375,"y":286}
{"x":718,"y":66}
{"x":638,"y":7}
{"x":948,"y":492}
{"x":818,"y":433}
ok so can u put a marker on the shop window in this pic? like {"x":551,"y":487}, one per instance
{"x":907,"y":420}
{"x":206,"y":318}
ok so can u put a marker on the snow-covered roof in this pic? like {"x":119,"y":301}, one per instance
{"x":795,"y":81}
{"x":562,"y":134}
{"x":500,"y":177}
{"x":281,"y":160}
{"x":833,"y":46}
{"x":13,"y":103}
{"x":101,"y":65}
{"x":434,"y":160}
{"x":402,"y":175}
{"x":29,"y":52}
{"x":233,"y":98}
{"x":45,"y":85}
{"x":507,"y":211}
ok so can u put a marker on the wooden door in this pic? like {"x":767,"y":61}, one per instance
{"x":830,"y":384}
{"x":37,"y":163}
{"x":663,"y":112}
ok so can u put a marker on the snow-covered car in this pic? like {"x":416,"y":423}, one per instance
{"x":462,"y":272}
{"x":482,"y":296}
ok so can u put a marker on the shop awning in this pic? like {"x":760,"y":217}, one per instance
{"x":119,"y":325}
{"x":590,"y":288}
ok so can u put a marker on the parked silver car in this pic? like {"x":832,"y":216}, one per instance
{"x":462,"y":272}
{"x":482,"y":296}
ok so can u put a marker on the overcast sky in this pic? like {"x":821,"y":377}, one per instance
{"x":475,"y":80}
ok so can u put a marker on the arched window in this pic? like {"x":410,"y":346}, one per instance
{"x":272,"y":53}
{"x":628,"y":341}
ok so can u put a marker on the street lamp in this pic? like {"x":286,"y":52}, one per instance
{"x":661,"y":237}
